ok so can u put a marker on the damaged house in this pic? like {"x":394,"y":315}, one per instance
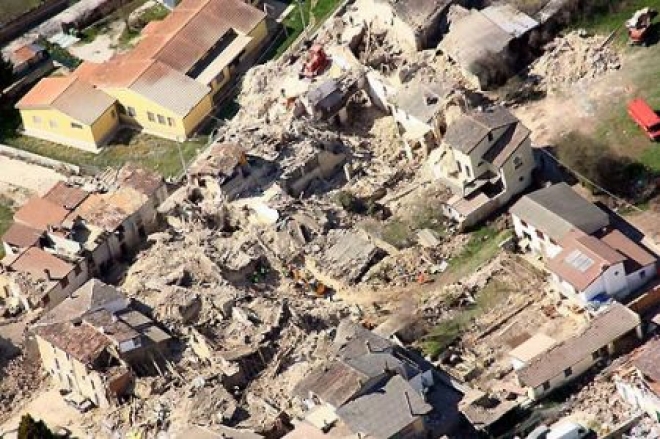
{"x":310,"y":162}
{"x":93,"y":343}
{"x":487,"y":44}
{"x":415,"y":24}
{"x":225,"y":168}
{"x":485,"y":158}
{"x":373,"y":388}
{"x":88,"y":225}
{"x":605,"y":335}
{"x":589,"y":260}
{"x":417,"y":108}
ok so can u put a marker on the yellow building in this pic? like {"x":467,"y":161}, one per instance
{"x":69,"y":111}
{"x":165,"y":86}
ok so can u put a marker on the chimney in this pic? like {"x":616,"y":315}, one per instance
{"x":49,"y":275}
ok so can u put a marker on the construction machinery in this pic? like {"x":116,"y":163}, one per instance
{"x":639,"y":25}
{"x":317,"y":61}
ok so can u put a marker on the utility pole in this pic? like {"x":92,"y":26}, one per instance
{"x":302,"y":15}
{"x":183,"y":161}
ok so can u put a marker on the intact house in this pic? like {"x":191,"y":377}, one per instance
{"x":165,"y":86}
{"x":610,"y":330}
{"x":638,"y":383}
{"x":589,"y":260}
{"x":78,"y":230}
{"x":415,"y":24}
{"x":373,"y":388}
{"x":93,"y":343}
{"x":487,"y":44}
{"x":225,"y":169}
{"x":485,"y":158}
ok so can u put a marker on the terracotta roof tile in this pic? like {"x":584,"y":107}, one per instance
{"x":83,"y":342}
{"x":21,"y":236}
{"x":70,"y":95}
{"x":40,"y":213}
{"x":65,"y":195}
{"x":35,"y":261}
{"x":583,"y":259}
{"x":629,"y":248}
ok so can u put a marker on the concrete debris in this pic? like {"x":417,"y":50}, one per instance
{"x":574,"y":58}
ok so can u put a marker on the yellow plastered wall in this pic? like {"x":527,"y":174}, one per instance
{"x":53,"y":125}
{"x":198,"y":114}
{"x":175,"y":126}
{"x":258,"y":34}
{"x":69,"y":373}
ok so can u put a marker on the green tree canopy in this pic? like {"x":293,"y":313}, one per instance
{"x":31,"y":429}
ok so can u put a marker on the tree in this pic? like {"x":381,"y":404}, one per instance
{"x":31,"y":429}
{"x":6,"y":73}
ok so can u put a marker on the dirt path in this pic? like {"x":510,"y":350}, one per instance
{"x":32,"y":178}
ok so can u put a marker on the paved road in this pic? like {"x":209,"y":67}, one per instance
{"x":33,"y":178}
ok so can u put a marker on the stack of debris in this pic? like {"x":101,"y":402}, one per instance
{"x":575,"y":57}
{"x":20,"y":379}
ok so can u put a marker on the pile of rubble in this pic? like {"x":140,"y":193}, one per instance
{"x":574,"y":57}
{"x":20,"y":379}
{"x":599,"y":400}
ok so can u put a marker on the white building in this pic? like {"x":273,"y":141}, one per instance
{"x":588,"y":260}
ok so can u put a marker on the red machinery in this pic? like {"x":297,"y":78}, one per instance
{"x":645,"y":117}
{"x":638,"y":26}
{"x":317,"y":61}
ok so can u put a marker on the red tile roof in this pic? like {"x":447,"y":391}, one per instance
{"x":584,"y":259}
{"x":40,"y":213}
{"x":65,"y":195}
{"x":21,"y":236}
{"x":35,"y":261}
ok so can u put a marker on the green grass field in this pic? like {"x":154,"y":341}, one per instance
{"x":151,"y":152}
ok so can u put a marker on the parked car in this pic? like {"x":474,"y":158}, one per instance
{"x":642,"y":113}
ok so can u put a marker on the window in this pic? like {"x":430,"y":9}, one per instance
{"x":458,"y":165}
{"x":170,"y":121}
{"x":161,"y":119}
{"x":490,"y":136}
{"x":595,"y":355}
{"x":521,"y":178}
{"x":76,"y":126}
{"x":546,"y":385}
{"x":467,"y":171}
{"x":151,"y":116}
{"x":52,"y":124}
{"x":36,"y":119}
{"x":517,"y":162}
{"x":64,"y":282}
{"x":523,"y":223}
{"x":568,"y":372}
{"x":122,"y":109}
{"x":131,"y":111}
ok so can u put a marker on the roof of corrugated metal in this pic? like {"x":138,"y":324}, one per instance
{"x":70,"y":95}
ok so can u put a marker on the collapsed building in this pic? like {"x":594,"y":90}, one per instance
{"x":375,"y":388}
{"x":93,"y":343}
{"x":77,"y":230}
